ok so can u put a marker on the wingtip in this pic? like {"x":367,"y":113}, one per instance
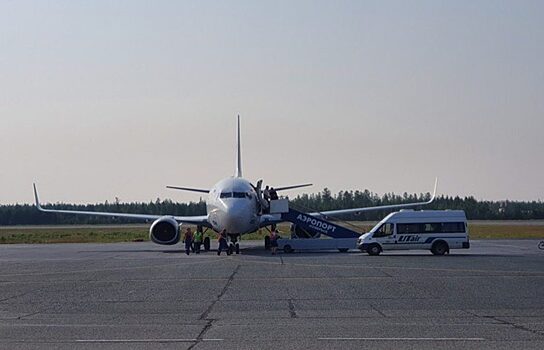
{"x":434,"y":190}
{"x":36,"y":198}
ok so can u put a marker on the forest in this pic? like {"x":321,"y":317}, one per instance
{"x":24,"y":214}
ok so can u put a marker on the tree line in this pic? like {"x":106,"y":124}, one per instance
{"x":476,"y":210}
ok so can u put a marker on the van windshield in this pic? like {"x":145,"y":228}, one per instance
{"x":384,"y":230}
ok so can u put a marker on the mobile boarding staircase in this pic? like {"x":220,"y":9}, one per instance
{"x":306,"y":231}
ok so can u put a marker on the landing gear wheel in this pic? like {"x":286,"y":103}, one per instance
{"x":207,"y":244}
{"x":267,"y":242}
{"x":374,"y":249}
{"x":343,"y":250}
{"x":237,"y":248}
{"x":440,"y":248}
{"x":230,"y":250}
{"x":287,"y":248}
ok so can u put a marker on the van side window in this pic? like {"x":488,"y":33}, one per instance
{"x":435,"y":227}
{"x":453,"y":227}
{"x":409,"y":228}
{"x":384,"y":230}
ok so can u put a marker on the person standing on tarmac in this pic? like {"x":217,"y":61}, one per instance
{"x":197,"y":239}
{"x":188,"y":240}
{"x":223,"y":242}
{"x":274,"y":240}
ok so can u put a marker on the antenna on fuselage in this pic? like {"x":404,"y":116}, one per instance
{"x":239,"y":152}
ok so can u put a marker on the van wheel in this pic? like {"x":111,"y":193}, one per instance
{"x":287,"y":248}
{"x":440,"y":248}
{"x":374,"y":249}
{"x":343,"y":250}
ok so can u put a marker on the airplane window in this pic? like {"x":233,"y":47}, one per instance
{"x":239,"y":195}
{"x":226,"y":195}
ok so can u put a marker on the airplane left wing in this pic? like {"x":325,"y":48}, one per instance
{"x":269,"y":219}
{"x":383,"y":207}
{"x":196,"y":220}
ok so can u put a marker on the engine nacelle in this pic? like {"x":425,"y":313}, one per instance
{"x":164,"y":230}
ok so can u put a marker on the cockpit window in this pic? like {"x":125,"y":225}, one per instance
{"x":235,"y":195}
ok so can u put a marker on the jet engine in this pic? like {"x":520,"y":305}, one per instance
{"x":164,"y":230}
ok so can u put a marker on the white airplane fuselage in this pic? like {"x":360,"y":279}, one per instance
{"x":232,"y":205}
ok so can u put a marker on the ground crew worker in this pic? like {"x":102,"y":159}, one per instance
{"x":223,"y":245}
{"x":274,"y":236}
{"x":188,"y":240}
{"x":197,"y":239}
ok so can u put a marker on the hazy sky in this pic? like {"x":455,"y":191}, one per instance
{"x":105,"y":99}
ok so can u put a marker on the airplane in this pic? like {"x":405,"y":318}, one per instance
{"x":233,"y":204}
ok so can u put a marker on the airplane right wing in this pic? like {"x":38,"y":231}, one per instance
{"x":291,"y":187}
{"x":188,"y":189}
{"x":196,"y":220}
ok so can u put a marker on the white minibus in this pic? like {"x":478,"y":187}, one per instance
{"x":436,"y":230}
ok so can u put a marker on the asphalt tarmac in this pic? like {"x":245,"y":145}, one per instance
{"x":145,"y":296}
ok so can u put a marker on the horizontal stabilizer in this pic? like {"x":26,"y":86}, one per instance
{"x":188,"y":189}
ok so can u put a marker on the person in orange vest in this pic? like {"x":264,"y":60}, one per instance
{"x":188,"y":240}
{"x":223,"y":245}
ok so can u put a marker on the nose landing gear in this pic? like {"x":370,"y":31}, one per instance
{"x":234,"y":246}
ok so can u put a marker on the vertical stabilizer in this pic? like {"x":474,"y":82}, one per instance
{"x":239,"y":152}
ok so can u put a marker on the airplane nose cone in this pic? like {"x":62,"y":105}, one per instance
{"x":236,"y":217}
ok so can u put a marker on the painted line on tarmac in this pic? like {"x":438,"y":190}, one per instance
{"x":143,"y":340}
{"x":407,"y":339}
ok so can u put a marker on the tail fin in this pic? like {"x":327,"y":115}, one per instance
{"x":239,"y":152}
